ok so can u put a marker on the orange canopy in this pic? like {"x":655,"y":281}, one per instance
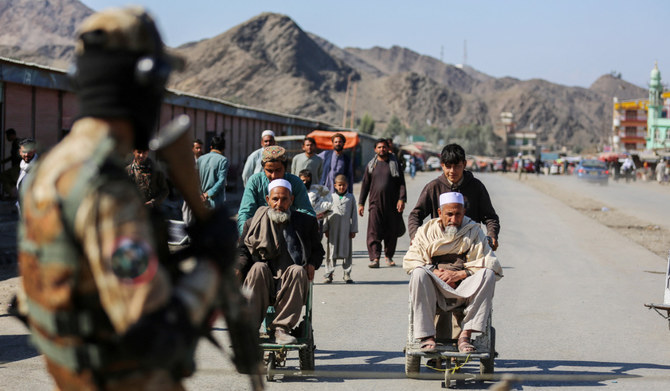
{"x":323,"y":139}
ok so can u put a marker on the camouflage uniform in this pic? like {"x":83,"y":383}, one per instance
{"x":150,"y":180}
{"x":92,"y":280}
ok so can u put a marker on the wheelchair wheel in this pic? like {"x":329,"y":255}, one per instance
{"x":486,"y":366}
{"x":412,"y":365}
{"x":269,"y":375}
{"x":306,"y":354}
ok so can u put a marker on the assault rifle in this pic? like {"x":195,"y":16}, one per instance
{"x":213,"y":236}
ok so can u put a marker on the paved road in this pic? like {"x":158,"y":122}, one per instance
{"x":570,"y":305}
{"x":645,"y":200}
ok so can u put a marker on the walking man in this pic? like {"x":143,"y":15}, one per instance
{"x":308,"y":160}
{"x":28,"y":153}
{"x":253,"y":164}
{"x":213,"y":169}
{"x":336,"y":162}
{"x":384,"y":183}
{"x":186,"y":212}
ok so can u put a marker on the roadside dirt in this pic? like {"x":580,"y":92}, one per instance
{"x":651,"y":237}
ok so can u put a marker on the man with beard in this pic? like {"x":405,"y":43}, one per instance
{"x":308,"y":161}
{"x":279,"y":252}
{"x":384,"y":182}
{"x":27,"y":151}
{"x":253,"y":164}
{"x":197,"y":149}
{"x":478,"y":205}
{"x":451,"y":264}
{"x":336,"y":162}
{"x":274,"y":165}
{"x":149,"y":179}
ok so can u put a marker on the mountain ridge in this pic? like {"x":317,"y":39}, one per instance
{"x":270,"y":62}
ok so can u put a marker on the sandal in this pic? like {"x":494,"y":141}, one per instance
{"x":428,"y":344}
{"x":389,"y":262}
{"x":374,"y":264}
{"x":465,"y":346}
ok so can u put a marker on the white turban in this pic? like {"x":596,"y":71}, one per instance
{"x":451,"y":198}
{"x":280,"y":183}
{"x":267,"y":133}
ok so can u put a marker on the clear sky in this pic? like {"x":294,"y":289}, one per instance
{"x":571,"y":42}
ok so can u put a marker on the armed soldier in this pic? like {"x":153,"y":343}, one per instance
{"x":100,"y":303}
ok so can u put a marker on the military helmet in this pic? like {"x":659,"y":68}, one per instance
{"x":122,"y":68}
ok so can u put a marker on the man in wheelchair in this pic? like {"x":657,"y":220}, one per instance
{"x":451,"y":265}
{"x":279,"y":252}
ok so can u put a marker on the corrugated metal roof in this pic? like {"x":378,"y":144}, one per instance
{"x":21,"y":72}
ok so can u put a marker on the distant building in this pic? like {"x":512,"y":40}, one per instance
{"x":517,"y":141}
{"x":658,"y":123}
{"x":636,"y":125}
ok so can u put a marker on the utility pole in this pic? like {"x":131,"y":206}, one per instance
{"x":346,"y":102}
{"x":353,"y":105}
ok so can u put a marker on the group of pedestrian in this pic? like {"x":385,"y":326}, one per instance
{"x":98,"y":294}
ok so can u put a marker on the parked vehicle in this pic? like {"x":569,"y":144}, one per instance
{"x":594,"y":171}
{"x":433,"y":163}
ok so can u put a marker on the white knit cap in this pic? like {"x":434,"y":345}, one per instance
{"x":267,"y":133}
{"x":451,"y":198}
{"x":280,"y":183}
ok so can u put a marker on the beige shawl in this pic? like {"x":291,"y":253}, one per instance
{"x":430,"y":241}
{"x":263,"y":237}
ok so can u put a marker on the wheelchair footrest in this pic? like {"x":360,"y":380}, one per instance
{"x":442,"y":351}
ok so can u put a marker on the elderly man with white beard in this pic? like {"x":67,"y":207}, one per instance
{"x":451,"y":264}
{"x":279,"y":252}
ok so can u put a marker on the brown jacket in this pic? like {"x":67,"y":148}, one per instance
{"x":478,"y":205}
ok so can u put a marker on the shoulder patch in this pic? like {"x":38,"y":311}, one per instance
{"x":133,"y":261}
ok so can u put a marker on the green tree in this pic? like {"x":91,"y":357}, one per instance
{"x":394,"y":128}
{"x":367,"y":124}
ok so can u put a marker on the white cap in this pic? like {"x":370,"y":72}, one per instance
{"x":267,"y":133}
{"x":451,"y":198}
{"x":280,"y":183}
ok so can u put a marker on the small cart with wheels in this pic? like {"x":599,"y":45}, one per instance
{"x":447,"y":352}
{"x":666,"y":297}
{"x":275,"y":354}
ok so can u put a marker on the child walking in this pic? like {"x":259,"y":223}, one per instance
{"x":340,"y":227}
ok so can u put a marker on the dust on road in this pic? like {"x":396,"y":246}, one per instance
{"x":652,"y":237}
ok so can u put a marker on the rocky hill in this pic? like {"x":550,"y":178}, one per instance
{"x":40,"y":31}
{"x":271,"y":63}
{"x":266,"y":62}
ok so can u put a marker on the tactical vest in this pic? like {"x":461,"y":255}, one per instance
{"x":65,"y":315}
